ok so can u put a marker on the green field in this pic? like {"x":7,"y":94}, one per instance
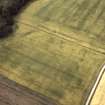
{"x":82,"y":15}
{"x":54,"y":50}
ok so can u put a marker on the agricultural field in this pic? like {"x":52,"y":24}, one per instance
{"x":57,"y":49}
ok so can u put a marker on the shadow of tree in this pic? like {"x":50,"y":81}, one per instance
{"x":8,"y":10}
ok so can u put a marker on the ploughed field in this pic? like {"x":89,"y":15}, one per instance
{"x":12,"y":93}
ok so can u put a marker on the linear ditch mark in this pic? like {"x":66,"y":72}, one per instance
{"x":66,"y":37}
